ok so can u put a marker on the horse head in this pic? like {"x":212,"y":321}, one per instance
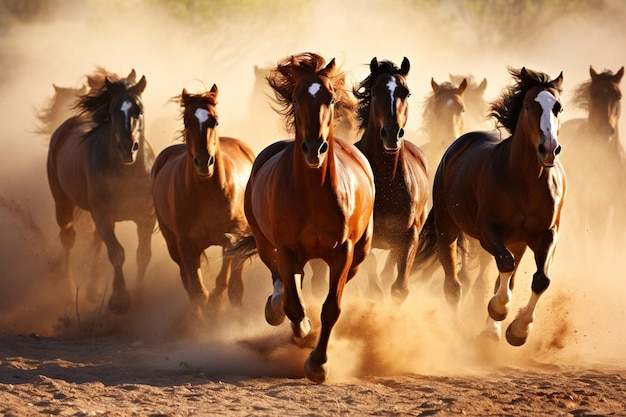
{"x":126,"y":116}
{"x":313,"y":105}
{"x":448,"y":109}
{"x":388,"y":107}
{"x":541,"y":110}
{"x":200,"y":119}
{"x":604,"y":102}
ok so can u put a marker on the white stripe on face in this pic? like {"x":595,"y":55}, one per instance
{"x":548,"y":123}
{"x":392,"y":85}
{"x":202,"y":115}
{"x":126,"y":105}
{"x":314,"y":88}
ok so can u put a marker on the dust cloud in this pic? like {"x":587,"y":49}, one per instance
{"x":580,"y":318}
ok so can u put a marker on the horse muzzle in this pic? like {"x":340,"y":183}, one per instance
{"x":391,"y":138}
{"x":547,"y":154}
{"x":314,"y":156}
{"x":204,"y":165}
{"x":128,"y":156}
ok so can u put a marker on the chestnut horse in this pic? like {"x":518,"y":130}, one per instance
{"x":311,"y":197}
{"x":399,"y":167}
{"x":100,"y":161}
{"x":198,"y":190}
{"x":598,"y":154}
{"x":507,"y":194}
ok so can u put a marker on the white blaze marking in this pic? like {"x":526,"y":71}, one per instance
{"x":314,"y":88}
{"x":392,"y":85}
{"x":548,"y":122}
{"x":449,"y":102}
{"x":126,"y":105}
{"x":202,"y":115}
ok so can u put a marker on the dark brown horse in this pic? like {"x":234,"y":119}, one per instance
{"x":507,"y":194}
{"x":308,"y":198}
{"x":100,"y":161}
{"x":399,"y":168}
{"x":198,"y":190}
{"x":594,"y":147}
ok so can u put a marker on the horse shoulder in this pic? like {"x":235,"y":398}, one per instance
{"x":352,"y":152}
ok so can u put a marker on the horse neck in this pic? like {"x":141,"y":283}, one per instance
{"x":522,"y":157}
{"x":371,"y":145}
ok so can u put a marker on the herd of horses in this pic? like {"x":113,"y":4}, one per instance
{"x":322,"y":197}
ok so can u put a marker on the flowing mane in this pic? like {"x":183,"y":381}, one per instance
{"x":95,"y":104}
{"x":282,"y":80}
{"x":363,"y":92}
{"x":508,"y":107}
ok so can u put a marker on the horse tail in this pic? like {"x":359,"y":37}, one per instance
{"x":427,"y":244}
{"x":243,"y":246}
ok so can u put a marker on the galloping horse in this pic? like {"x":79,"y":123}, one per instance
{"x":507,"y":193}
{"x":312,"y":197}
{"x":399,"y":167}
{"x":598,"y":155}
{"x":198,"y":190}
{"x":100,"y":162}
{"x":443,"y":120}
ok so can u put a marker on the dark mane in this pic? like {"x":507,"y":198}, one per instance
{"x":363,"y":91}
{"x":282,"y":81}
{"x":54,"y":111}
{"x":507,"y":108}
{"x":428,"y":113}
{"x":95,"y":104}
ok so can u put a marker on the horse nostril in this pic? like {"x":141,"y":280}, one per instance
{"x":135,"y":146}
{"x":383,"y":133}
{"x":305,"y":148}
{"x":324,"y":147}
{"x":196,"y":162}
{"x":557,"y":150}
{"x":541,"y":148}
{"x":211,"y":160}
{"x":401,"y":133}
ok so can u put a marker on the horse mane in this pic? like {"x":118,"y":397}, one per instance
{"x":281,"y":79}
{"x":508,"y":107}
{"x":428,"y":112}
{"x":363,"y":91}
{"x":48,"y":114}
{"x":95,"y":104}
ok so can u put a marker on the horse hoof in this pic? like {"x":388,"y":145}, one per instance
{"x":497,"y":316}
{"x":301,"y":329}
{"x":315,"y":373}
{"x":119,"y":304}
{"x":514,"y":339}
{"x":399,"y":294}
{"x":274,"y":311}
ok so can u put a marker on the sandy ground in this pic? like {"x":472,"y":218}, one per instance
{"x":62,"y":353}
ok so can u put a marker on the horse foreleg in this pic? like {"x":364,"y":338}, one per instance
{"x":518,"y":330}
{"x":93,"y":284}
{"x":145,"y":229}
{"x":316,"y":366}
{"x":374,"y":285}
{"x":222,"y":282}
{"x":291,"y":273}
{"x":119,"y":302}
{"x":190,"y":267}
{"x":405,"y":256}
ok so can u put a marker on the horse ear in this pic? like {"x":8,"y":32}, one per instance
{"x":373,"y":65}
{"x":434,"y":85}
{"x":331,"y":65}
{"x":92,"y":82}
{"x":463,"y":87}
{"x":132,"y":76}
{"x":108,"y":83}
{"x":592,"y":72}
{"x":524,"y":74}
{"x":184,"y":94}
{"x":140,"y":86}
{"x":482,"y":87}
{"x":214,"y":89}
{"x":559,"y":80}
{"x":618,"y":76}
{"x":56,"y":87}
{"x":405,"y":66}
